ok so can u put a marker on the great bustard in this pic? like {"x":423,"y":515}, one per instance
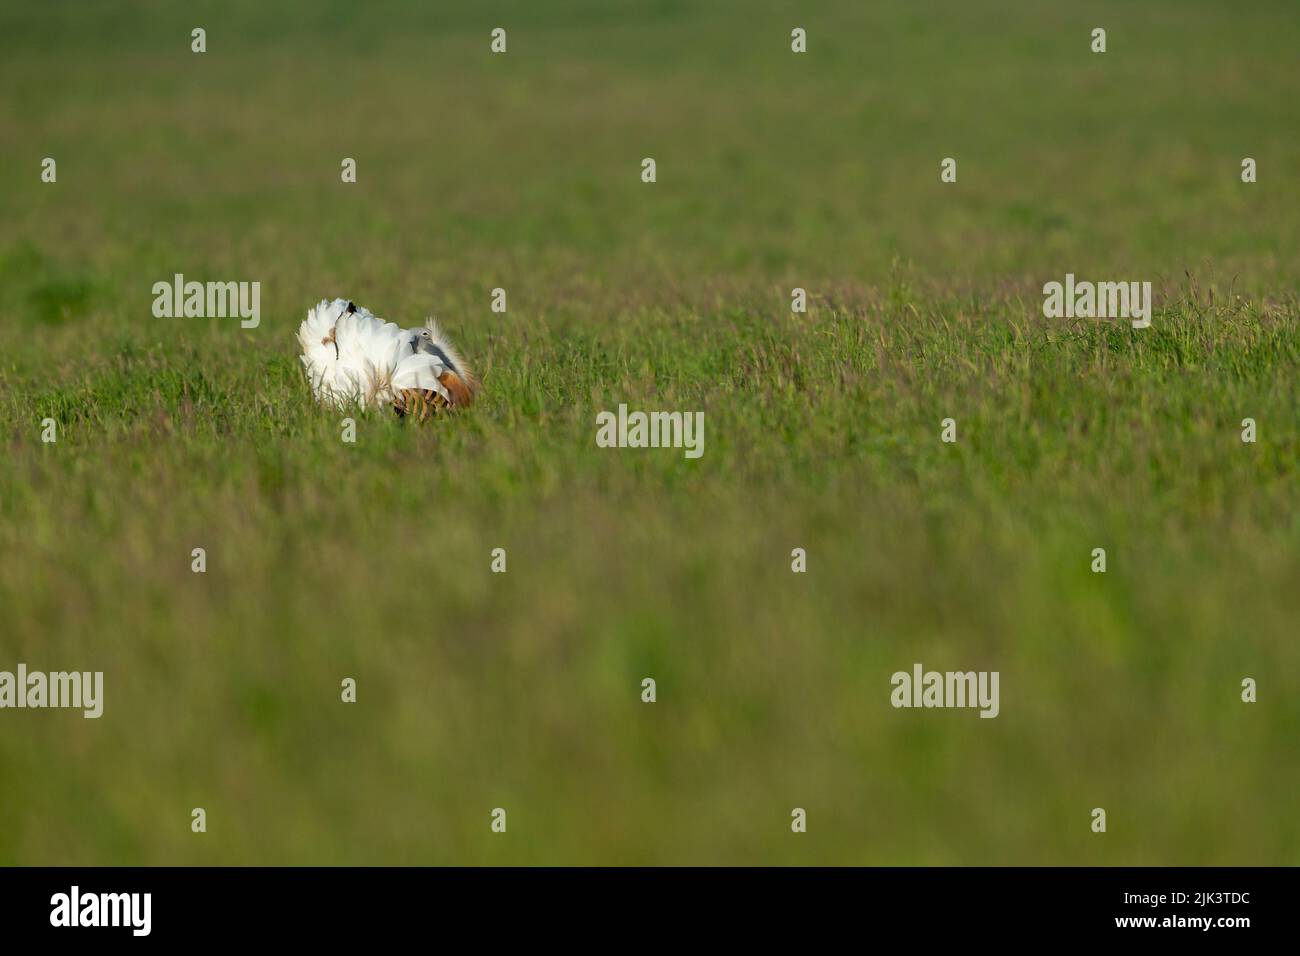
{"x":355,"y":359}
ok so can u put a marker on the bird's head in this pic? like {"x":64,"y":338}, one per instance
{"x":422,"y":341}
{"x":456,"y":377}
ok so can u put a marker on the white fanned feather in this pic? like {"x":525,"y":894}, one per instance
{"x":354,"y":358}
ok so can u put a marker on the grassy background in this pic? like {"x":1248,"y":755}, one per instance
{"x":521,"y":690}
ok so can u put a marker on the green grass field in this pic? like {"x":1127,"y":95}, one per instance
{"x":522,"y":690}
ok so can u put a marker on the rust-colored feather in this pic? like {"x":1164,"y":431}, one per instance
{"x":461,"y":390}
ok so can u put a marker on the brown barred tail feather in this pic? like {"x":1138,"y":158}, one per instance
{"x":421,"y":403}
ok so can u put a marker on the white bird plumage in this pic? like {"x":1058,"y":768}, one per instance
{"x":354,"y":358}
